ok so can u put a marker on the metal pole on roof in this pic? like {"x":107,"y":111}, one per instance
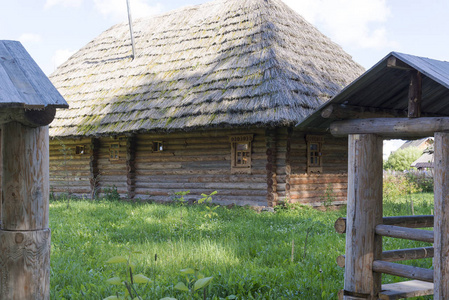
{"x":130,"y":21}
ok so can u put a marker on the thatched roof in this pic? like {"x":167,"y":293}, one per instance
{"x":223,"y":63}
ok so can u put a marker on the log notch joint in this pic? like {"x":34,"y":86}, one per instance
{"x":270,"y":139}
{"x":131,"y":166}
{"x":94,"y":170}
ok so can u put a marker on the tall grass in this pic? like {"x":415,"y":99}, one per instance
{"x":248,"y":253}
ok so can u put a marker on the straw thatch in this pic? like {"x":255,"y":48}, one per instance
{"x":223,"y":63}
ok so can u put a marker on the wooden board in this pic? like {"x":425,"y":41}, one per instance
{"x":406,"y":289}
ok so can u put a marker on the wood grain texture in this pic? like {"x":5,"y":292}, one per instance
{"x":364,"y":212}
{"x":405,"y":233}
{"x":25,"y":265}
{"x":25,"y":177}
{"x":441,"y":226}
{"x":391,"y":127}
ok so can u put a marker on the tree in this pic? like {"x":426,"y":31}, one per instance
{"x":401,"y":159}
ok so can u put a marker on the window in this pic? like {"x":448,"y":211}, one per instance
{"x":158,"y":146}
{"x":314,"y":154}
{"x":79,"y":150}
{"x":114,"y":151}
{"x":241,"y":153}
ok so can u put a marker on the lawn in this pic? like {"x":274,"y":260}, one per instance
{"x":289,"y":254}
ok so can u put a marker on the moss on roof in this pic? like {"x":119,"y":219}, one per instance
{"x":227,"y":62}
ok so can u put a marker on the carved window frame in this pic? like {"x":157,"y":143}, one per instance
{"x":114,"y":151}
{"x":241,"y":152}
{"x":314,"y":153}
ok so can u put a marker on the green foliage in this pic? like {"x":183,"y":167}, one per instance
{"x":127,"y":269}
{"x":401,"y":159}
{"x":193,"y":281}
{"x":178,"y":197}
{"x":424,"y":180}
{"x":329,"y":195}
{"x":110,"y":193}
{"x":209,"y":211}
{"x":398,"y":185}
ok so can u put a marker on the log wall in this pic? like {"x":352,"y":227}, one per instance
{"x":316,"y":188}
{"x":200,"y":161}
{"x":69,"y":172}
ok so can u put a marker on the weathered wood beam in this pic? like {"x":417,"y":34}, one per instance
{"x":336,"y":111}
{"x":364,"y":195}
{"x":403,"y":270}
{"x":415,"y":95}
{"x":28,"y":117}
{"x":391,"y":128}
{"x":24,"y":236}
{"x":395,"y":63}
{"x":405,"y":233}
{"x":422,"y":221}
{"x":398,"y":255}
{"x":441,"y":228}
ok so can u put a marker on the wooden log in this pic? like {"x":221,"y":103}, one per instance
{"x":403,"y":270}
{"x":24,"y":236}
{"x":421,"y":221}
{"x":28,"y":117}
{"x":364,"y":212}
{"x":415,"y":95}
{"x":398,"y":255}
{"x":391,"y":128}
{"x":407,"y":254}
{"x":94,"y":171}
{"x":25,"y":177}
{"x":441,"y":227}
{"x":25,"y":264}
{"x":405,"y":233}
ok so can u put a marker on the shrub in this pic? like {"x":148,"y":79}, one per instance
{"x":401,"y":159}
{"x":423,"y":180}
{"x":397,"y":185}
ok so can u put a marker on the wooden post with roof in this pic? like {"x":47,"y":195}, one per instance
{"x":401,"y":97}
{"x":28,"y":103}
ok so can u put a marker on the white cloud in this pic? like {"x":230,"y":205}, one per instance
{"x":117,"y":10}
{"x":30,"y":38}
{"x":349,"y":22}
{"x":60,"y":56}
{"x":65,"y":3}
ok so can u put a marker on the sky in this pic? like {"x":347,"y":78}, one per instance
{"x":52,"y":30}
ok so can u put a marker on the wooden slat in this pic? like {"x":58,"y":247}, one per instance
{"x":406,"y":289}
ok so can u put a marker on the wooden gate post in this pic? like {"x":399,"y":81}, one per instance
{"x":24,"y":235}
{"x":441,"y":219}
{"x":363,"y":214}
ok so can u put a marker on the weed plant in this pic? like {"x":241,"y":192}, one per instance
{"x":248,"y":254}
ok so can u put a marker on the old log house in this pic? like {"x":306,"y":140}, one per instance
{"x":407,"y":97}
{"x":209,"y":102}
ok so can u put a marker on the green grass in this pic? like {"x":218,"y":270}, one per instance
{"x":247,"y":253}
